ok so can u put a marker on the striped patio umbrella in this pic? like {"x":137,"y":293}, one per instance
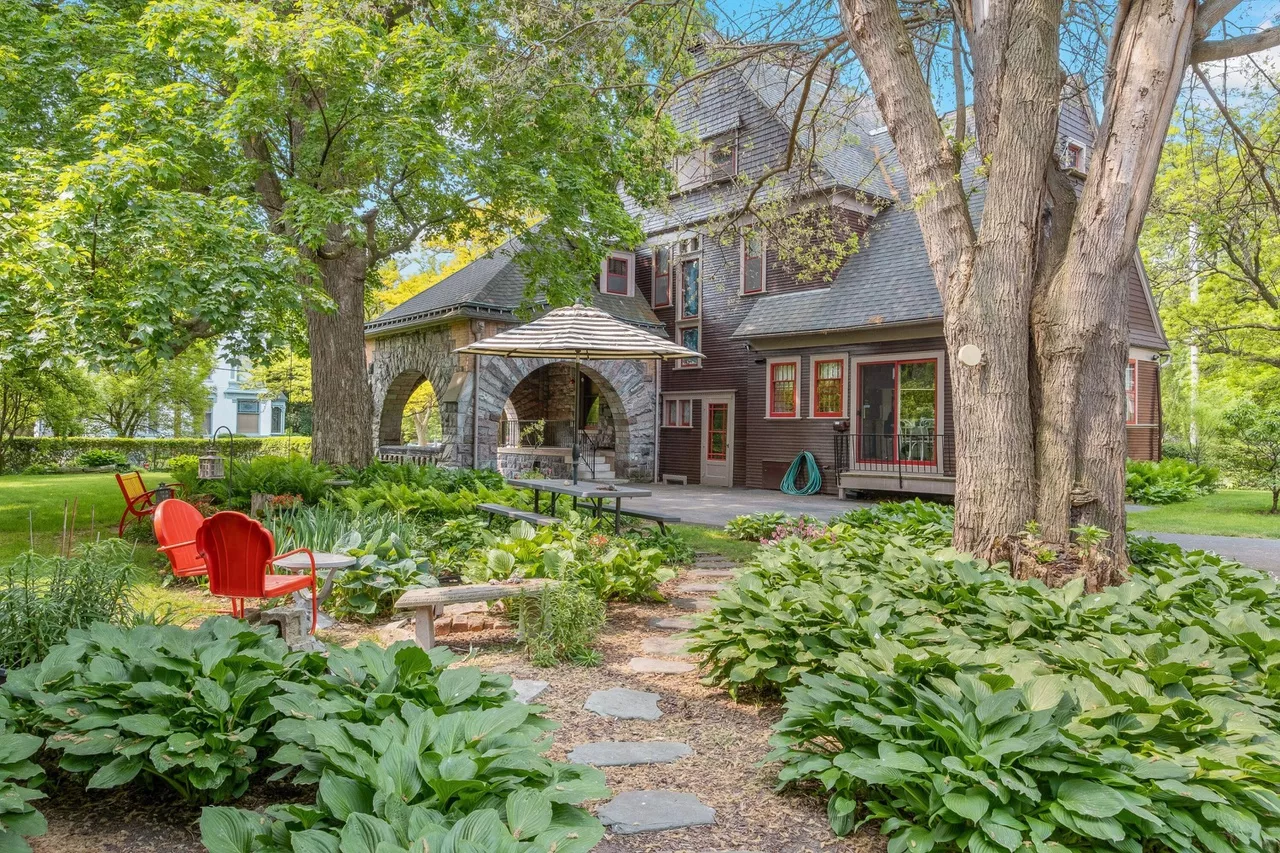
{"x":579,"y":332}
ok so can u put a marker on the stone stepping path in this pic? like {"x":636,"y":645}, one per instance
{"x":697,"y":605}
{"x":668,"y":646}
{"x":628,"y":753}
{"x":624,"y":704}
{"x":528,"y":689}
{"x":700,"y":588}
{"x":654,"y":811}
{"x":658,"y":666}
{"x":712,"y":574}
{"x":674,"y":623}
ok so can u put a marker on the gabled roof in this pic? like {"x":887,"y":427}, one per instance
{"x":491,"y":286}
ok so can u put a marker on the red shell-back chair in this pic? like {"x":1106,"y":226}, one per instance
{"x":176,"y":523}
{"x":238,"y":553}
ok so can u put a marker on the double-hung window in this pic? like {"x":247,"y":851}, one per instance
{"x":753,"y":265}
{"x":677,"y":412}
{"x":247,"y":414}
{"x":661,"y":276}
{"x":689,"y":310}
{"x":827,"y":385}
{"x":784,"y":388}
{"x":617,"y":274}
{"x":897,"y":419}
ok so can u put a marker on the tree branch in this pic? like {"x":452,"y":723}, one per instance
{"x":1209,"y":13}
{"x":1218,"y":49}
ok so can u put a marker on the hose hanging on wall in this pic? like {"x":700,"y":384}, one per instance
{"x":813,"y":477}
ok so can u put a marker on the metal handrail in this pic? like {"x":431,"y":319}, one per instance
{"x":895,"y":453}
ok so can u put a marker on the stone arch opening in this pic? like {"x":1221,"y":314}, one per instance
{"x":396,"y":421}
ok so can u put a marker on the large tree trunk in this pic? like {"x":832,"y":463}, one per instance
{"x":343,"y":415}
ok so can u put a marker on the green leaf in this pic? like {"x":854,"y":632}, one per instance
{"x":365,"y":832}
{"x":116,"y":773}
{"x":151,"y":725}
{"x":227,"y":830}
{"x":458,"y":685}
{"x":528,"y":813}
{"x":344,"y":797}
{"x":971,"y":806}
{"x":1086,"y":797}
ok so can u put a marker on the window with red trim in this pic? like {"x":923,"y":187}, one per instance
{"x":828,"y":388}
{"x":752,"y":264}
{"x":615,"y":280}
{"x":1131,"y":392}
{"x":897,"y":412}
{"x":784,"y":396}
{"x":677,"y":412}
{"x":661,"y":276}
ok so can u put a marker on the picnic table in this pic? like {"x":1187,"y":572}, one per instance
{"x":595,"y":493}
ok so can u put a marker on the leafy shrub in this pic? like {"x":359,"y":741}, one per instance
{"x":20,"y":779}
{"x":424,"y":477}
{"x":277,"y":475}
{"x":924,"y":524}
{"x":453,"y":539}
{"x":803,"y":527}
{"x":188,"y":707}
{"x":429,"y":503}
{"x":464,"y":780}
{"x":754,"y":527}
{"x":1167,"y":481}
{"x":41,"y":598}
{"x":101,"y":459}
{"x":384,"y":570}
{"x":22,"y":451}
{"x":185,"y":470}
{"x":560,"y":623}
{"x":676,"y":550}
{"x":619,"y":570}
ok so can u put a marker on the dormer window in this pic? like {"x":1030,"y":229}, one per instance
{"x":618,"y":274}
{"x":716,"y":161}
{"x":1073,"y":156}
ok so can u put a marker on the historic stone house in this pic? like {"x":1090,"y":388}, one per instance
{"x":850,"y":367}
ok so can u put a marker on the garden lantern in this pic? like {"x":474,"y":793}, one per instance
{"x":212,"y":467}
{"x":211,"y":464}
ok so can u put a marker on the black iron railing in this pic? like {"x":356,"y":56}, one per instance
{"x":907,"y":452}
{"x":410,"y":454}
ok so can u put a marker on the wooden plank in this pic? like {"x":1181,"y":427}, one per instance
{"x":468,"y":593}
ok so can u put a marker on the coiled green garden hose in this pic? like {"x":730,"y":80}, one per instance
{"x":813,"y":477}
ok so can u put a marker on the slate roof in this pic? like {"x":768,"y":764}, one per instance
{"x":492,"y":286}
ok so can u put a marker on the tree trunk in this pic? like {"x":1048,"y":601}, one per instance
{"x":342,"y":430}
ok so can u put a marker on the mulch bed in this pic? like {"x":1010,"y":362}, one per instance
{"x":728,"y":740}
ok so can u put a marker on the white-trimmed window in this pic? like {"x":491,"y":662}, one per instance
{"x":1074,"y":154}
{"x":1131,"y":392}
{"x":829,"y":386}
{"x":677,"y":412}
{"x":689,"y":308}
{"x":716,"y":160}
{"x":247,"y":414}
{"x":661,"y":276}
{"x":618,"y":274}
{"x":783,"y":378}
{"x":753,"y":263}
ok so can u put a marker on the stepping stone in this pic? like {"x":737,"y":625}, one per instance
{"x":528,"y":689}
{"x":668,"y":646}
{"x":654,"y":811}
{"x":695,"y":604}
{"x":674,"y":623}
{"x":657,"y":666}
{"x":712,"y":574}
{"x":624,"y":704}
{"x":628,"y":753}
{"x":700,"y":588}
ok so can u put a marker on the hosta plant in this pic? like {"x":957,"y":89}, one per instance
{"x":187,"y":707}
{"x":463,"y":780}
{"x":924,"y":524}
{"x":757,"y":526}
{"x":384,"y":570}
{"x":20,"y":779}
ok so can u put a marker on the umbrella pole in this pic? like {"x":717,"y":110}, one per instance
{"x":577,"y":401}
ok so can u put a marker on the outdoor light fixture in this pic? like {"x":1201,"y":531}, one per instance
{"x":970,"y":355}
{"x":212,"y":466}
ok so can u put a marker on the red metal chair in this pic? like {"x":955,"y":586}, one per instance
{"x":239,"y":553}
{"x":138,"y":501}
{"x":176,"y":524}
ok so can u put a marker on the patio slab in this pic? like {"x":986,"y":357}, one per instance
{"x":714,"y":507}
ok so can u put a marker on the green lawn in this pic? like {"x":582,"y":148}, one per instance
{"x":714,"y":540}
{"x":1225,"y":513}
{"x":39,"y":501}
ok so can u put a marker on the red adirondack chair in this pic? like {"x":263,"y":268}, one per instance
{"x":239,"y":553}
{"x":176,"y":523}
{"x":138,"y":501}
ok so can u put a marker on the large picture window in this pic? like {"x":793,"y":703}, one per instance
{"x":784,"y":389}
{"x":897,"y":418}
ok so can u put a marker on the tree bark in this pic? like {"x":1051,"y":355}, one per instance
{"x":339,"y":375}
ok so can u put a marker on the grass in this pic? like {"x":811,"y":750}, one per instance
{"x":1233,"y":512}
{"x":714,"y":540}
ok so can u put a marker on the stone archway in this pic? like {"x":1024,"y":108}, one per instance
{"x":628,"y":388}
{"x":401,"y":363}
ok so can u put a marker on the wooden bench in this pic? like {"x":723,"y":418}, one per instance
{"x":533,"y":518}
{"x":662,"y":518}
{"x":426,"y":602}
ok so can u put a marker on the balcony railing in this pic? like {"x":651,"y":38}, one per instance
{"x":898,"y":454}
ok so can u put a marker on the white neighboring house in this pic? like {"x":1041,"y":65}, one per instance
{"x":235,"y":402}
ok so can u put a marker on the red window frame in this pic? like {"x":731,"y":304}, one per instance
{"x":1131,"y":392}
{"x":747,"y":258}
{"x":712,"y":408}
{"x":1075,"y":156}
{"x":611,"y":277}
{"x":817,"y":384}
{"x":662,"y":273}
{"x":677,"y":412}
{"x":795,"y":389}
{"x":897,"y":394}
